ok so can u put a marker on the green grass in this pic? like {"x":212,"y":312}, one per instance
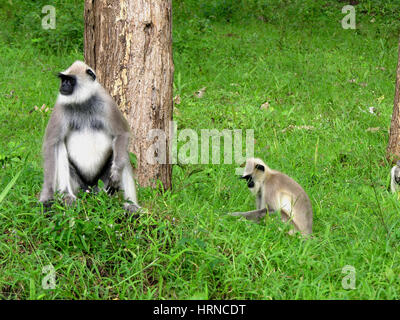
{"x":293,"y":54}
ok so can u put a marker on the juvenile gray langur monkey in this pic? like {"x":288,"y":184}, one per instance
{"x":275,"y":191}
{"x":86,"y":140}
{"x":395,"y":178}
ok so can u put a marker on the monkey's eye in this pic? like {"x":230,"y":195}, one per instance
{"x":70,"y":81}
{"x":67,"y":78}
{"x":91,"y":74}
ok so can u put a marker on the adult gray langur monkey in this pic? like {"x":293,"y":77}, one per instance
{"x":395,"y":178}
{"x":275,"y":191}
{"x":86,"y":140}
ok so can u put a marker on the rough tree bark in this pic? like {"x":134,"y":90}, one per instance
{"x":129,"y":44}
{"x":393,"y":149}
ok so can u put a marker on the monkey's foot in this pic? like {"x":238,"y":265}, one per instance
{"x":69,"y":200}
{"x":131,"y":207}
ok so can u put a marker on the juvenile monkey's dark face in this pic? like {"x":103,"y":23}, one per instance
{"x":396,"y":174}
{"x":249,"y":179}
{"x":253,"y":173}
{"x":68,"y":84}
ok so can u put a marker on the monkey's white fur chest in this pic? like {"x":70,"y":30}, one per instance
{"x":256,"y":189}
{"x":394,"y":187}
{"x":89,"y":150}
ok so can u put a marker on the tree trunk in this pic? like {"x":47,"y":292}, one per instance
{"x":393,"y":149}
{"x":129,"y":44}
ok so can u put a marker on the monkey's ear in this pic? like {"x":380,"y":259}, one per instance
{"x":260,"y":167}
{"x":91,"y":73}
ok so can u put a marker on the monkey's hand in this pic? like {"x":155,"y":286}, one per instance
{"x":46,"y":205}
{"x":46,"y":195}
{"x":114,"y":182}
{"x":46,"y":198}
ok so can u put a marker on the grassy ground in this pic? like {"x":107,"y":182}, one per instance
{"x":319,"y":80}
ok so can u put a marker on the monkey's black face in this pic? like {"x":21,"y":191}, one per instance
{"x":249,"y":179}
{"x":397,"y":179}
{"x":67,"y":84}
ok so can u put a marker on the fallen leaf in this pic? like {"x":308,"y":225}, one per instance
{"x":373,"y":110}
{"x":10,"y":94}
{"x":265,"y":106}
{"x":298,"y":128}
{"x":200,"y":93}
{"x":177,"y":99}
{"x":373,"y":129}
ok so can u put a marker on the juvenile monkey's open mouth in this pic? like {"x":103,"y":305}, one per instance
{"x":249,"y":179}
